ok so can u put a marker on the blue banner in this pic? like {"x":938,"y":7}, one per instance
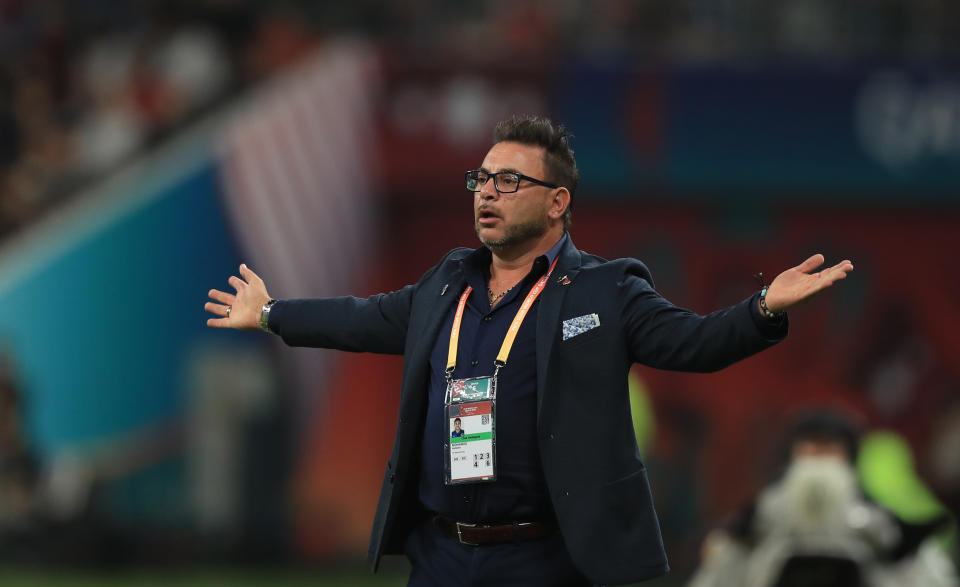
{"x":790,"y":133}
{"x":101,"y":308}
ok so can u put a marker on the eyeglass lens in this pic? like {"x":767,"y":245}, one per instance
{"x":503,"y":182}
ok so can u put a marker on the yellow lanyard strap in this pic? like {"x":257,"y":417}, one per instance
{"x":511,"y":332}
{"x":455,"y":331}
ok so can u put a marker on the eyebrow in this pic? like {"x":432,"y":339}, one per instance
{"x":505,"y":170}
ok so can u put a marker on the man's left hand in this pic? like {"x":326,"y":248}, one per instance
{"x":801,"y":283}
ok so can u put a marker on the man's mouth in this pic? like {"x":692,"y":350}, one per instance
{"x":487,"y":216}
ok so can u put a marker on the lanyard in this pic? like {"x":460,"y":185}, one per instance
{"x":511,"y":332}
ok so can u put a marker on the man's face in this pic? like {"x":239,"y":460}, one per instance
{"x":505,"y":220}
{"x":819,"y":447}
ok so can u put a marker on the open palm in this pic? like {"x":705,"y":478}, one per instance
{"x":240,"y":310}
{"x":801,"y":282}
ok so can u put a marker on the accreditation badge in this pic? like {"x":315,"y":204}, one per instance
{"x":470,"y":449}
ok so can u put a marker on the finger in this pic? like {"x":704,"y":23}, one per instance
{"x":846,"y":266}
{"x":237,"y":283}
{"x":810,"y":264}
{"x":218,"y":309}
{"x":838,"y":271}
{"x":248,"y":274}
{"x":222,"y":297}
{"x":218,"y":323}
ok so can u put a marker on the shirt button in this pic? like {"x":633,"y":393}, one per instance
{"x":474,"y":363}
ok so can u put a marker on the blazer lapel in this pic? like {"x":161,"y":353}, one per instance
{"x":548,"y":315}
{"x":446,"y":292}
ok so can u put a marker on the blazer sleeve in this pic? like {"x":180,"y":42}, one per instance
{"x":662,"y":335}
{"x":377,"y":324}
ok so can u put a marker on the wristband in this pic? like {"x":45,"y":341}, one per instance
{"x":265,"y":316}
{"x":763,"y":306}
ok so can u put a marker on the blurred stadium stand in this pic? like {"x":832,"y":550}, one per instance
{"x":146,"y":149}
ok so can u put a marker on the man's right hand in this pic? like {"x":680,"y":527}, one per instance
{"x":245,"y":306}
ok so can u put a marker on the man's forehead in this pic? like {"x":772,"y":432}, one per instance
{"x":526,"y":159}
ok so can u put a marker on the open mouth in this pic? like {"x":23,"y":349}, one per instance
{"x":487,"y":216}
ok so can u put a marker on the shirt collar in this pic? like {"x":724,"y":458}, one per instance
{"x":555,"y":250}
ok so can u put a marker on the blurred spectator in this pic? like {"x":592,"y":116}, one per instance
{"x":9,"y":132}
{"x":281,"y":38}
{"x":814,"y":526}
{"x":47,"y":510}
{"x":110,"y":129}
{"x":82,"y":92}
{"x":946,"y":465}
{"x":194,"y":64}
{"x":24,"y":524}
{"x":18,"y":469}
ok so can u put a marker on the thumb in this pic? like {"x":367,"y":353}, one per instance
{"x":810,"y":264}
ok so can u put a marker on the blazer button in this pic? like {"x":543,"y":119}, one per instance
{"x":392,"y":477}
{"x":474,"y":363}
{"x":551,"y":437}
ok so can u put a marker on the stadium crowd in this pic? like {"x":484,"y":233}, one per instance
{"x":86,"y":84}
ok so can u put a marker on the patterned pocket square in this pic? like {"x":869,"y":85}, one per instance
{"x":579,"y":325}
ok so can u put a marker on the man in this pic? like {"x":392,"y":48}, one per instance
{"x":544,"y":335}
{"x":814,"y":525}
{"x":457,"y":430}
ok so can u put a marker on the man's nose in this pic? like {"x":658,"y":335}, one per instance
{"x":488,"y":190}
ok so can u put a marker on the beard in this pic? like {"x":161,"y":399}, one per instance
{"x":515,"y":234}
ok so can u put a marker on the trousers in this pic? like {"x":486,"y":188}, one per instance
{"x":439,"y":560}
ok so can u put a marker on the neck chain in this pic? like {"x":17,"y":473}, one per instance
{"x":494,"y":298}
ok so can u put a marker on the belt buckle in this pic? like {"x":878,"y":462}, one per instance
{"x":460,"y":526}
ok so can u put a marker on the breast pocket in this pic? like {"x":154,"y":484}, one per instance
{"x":584,"y":337}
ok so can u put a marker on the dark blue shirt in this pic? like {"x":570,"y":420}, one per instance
{"x":519,"y":492}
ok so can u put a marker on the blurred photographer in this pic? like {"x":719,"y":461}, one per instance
{"x":814,"y":527}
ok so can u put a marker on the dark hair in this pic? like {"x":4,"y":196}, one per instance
{"x":826,"y":425}
{"x":541,"y":132}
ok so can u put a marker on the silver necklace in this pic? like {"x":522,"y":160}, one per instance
{"x":494,"y":298}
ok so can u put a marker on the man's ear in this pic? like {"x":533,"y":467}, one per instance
{"x":560,"y":203}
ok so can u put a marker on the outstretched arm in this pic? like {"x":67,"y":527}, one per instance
{"x":668,"y":337}
{"x":376,"y":324}
{"x":800,"y":283}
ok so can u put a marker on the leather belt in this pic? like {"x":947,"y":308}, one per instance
{"x":480,"y":534}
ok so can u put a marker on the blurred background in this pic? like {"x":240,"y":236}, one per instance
{"x":149,"y":147}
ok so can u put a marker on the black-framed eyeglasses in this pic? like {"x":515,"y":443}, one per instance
{"x":505,"y":182}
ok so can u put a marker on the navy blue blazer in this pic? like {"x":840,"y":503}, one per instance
{"x":597,"y":482}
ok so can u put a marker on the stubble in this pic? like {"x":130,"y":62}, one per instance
{"x":515,"y":234}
